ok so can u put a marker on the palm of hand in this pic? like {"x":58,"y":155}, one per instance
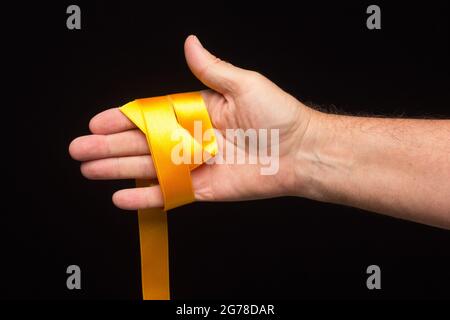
{"x":260,"y":104}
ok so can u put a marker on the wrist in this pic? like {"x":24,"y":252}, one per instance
{"x":321,"y":158}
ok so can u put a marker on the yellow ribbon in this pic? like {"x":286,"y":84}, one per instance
{"x":167,"y":122}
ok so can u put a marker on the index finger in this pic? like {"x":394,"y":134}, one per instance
{"x":110,"y":121}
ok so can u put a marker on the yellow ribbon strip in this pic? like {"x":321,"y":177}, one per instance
{"x":167,"y":122}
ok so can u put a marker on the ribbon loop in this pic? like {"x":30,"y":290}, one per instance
{"x":165,"y":121}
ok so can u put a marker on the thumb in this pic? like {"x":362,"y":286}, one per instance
{"x":219,"y":75}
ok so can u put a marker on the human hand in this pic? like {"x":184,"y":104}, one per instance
{"x":237,"y":99}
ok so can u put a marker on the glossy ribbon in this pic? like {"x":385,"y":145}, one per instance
{"x":166,"y":122}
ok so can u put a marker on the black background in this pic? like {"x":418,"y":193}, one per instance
{"x":275,"y":249}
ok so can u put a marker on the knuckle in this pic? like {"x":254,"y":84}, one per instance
{"x":256,"y":76}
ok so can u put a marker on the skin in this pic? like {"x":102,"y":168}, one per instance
{"x":398,"y":167}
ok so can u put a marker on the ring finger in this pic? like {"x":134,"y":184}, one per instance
{"x":136,"y":167}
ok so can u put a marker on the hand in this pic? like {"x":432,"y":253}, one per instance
{"x":238,"y":99}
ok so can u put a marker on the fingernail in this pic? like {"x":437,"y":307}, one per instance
{"x":197,"y":41}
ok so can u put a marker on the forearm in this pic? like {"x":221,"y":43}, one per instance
{"x":399,"y":167}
